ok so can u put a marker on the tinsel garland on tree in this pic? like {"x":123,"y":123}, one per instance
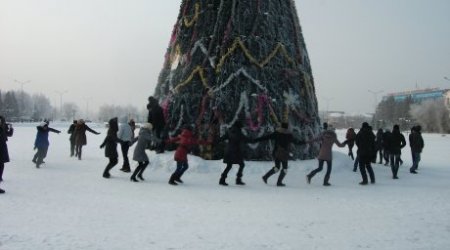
{"x":244,"y":60}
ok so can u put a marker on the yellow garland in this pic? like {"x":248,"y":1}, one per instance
{"x":286,"y":114}
{"x":175,"y":52}
{"x":239,"y":44}
{"x":188,"y":23}
{"x":198,"y":70}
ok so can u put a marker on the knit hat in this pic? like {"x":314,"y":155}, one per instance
{"x":147,"y":126}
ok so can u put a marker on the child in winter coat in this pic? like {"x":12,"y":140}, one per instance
{"x":328,"y":139}
{"x":350,"y":136}
{"x":144,"y":138}
{"x":185,"y":142}
{"x":80,"y":136}
{"x":283,"y":138}
{"x":41,"y":143}
{"x":71,"y":131}
{"x":110,"y":145}
{"x":6,"y":130}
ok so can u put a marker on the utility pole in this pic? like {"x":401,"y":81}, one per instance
{"x":87,"y":99}
{"x":60,"y":93}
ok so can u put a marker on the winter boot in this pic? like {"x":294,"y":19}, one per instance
{"x":106,"y":175}
{"x":172,"y":179}
{"x":239,"y":181}
{"x":133,"y":179}
{"x":268,"y":174}
{"x":363,"y":183}
{"x":222,"y":181}
{"x":308,"y":179}
{"x":2,"y":191}
{"x":281,"y":177}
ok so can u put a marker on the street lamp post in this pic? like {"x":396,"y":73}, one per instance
{"x":61,"y":93}
{"x":87,"y":99}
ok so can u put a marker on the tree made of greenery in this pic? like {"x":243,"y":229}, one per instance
{"x":245,"y":60}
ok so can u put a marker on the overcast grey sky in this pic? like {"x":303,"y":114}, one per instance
{"x":112,"y":50}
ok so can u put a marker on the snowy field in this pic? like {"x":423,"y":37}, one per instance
{"x":66,"y":204}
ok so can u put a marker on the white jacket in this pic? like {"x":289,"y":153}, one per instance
{"x":125,"y":132}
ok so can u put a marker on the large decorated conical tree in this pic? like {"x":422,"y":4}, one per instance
{"x":245,"y":60}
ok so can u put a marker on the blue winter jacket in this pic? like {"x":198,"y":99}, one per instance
{"x":42,"y":136}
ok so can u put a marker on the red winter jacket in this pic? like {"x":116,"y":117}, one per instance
{"x":185,"y":142}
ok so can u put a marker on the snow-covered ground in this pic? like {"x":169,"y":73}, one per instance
{"x":66,"y":204}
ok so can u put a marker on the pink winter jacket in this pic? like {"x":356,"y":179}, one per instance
{"x":328,"y":138}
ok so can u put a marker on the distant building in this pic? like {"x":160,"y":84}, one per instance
{"x":421,"y":95}
{"x":447,"y":99}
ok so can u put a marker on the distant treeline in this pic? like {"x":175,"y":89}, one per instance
{"x":20,"y":106}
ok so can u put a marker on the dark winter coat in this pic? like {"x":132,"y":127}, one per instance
{"x":379,"y":139}
{"x":42,"y":136}
{"x":5,"y":132}
{"x":350,"y":137}
{"x":145,"y":137}
{"x":365,"y":141}
{"x":234,"y":151}
{"x":71,"y":131}
{"x":416,"y":142}
{"x":387,"y":138}
{"x":185,"y":142}
{"x":155,"y":115}
{"x":283,"y":139}
{"x":397,"y":142}
{"x":80,"y":133}
{"x":328,"y":139}
{"x":111,"y":140}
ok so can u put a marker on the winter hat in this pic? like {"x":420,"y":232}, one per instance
{"x":43,"y":124}
{"x":80,"y":121}
{"x":365,"y":125}
{"x":325,"y":125}
{"x":147,"y":126}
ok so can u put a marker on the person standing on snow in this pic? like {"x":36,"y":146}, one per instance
{"x":6,"y":130}
{"x":126,"y":134}
{"x":110,"y":145}
{"x":379,"y":145}
{"x":397,"y":143}
{"x":283,"y":138}
{"x":234,"y":152}
{"x":144,"y":138}
{"x":350,"y":137}
{"x":416,"y":143}
{"x":156,"y":118}
{"x":365,"y":141}
{"x":328,"y":139}
{"x":387,"y":136}
{"x":80,"y":136}
{"x":71,"y":131}
{"x":41,"y":143}
{"x":185,"y":143}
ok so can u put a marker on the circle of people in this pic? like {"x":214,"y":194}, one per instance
{"x":388,"y":145}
